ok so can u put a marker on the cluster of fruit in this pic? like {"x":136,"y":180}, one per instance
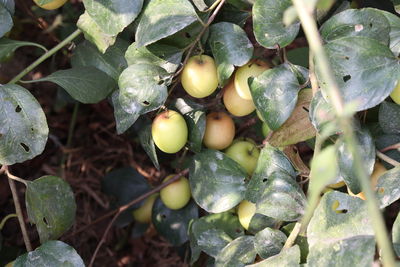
{"x":170,"y":132}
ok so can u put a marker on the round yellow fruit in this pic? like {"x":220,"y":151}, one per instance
{"x":245,"y":153}
{"x":379,"y":169}
{"x":176,"y":195}
{"x":395,"y":95}
{"x":169,"y":131}
{"x":199,"y":76}
{"x":246,"y":211}
{"x":10,"y":264}
{"x":143,"y":214}
{"x":52,"y":5}
{"x":220,"y":131}
{"x":251,"y":69}
{"x":236,"y":105}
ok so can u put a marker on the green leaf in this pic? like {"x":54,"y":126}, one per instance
{"x":269,"y":29}
{"x":394,"y":34}
{"x":299,"y":56}
{"x":359,"y":81}
{"x":324,"y":170}
{"x":9,"y":5}
{"x":345,"y":159}
{"x":146,"y":140}
{"x":173,"y":224}
{"x":396,"y":234}
{"x":353,"y":251}
{"x":165,"y":56}
{"x":274,"y":94}
{"x":271,"y":160}
{"x":269,"y":242}
{"x":338,"y":217}
{"x":50,"y":204}
{"x":389,"y":114}
{"x":229,"y":13}
{"x":259,"y":222}
{"x":5,"y":19}
{"x":195,"y":118}
{"x":111,"y":62}
{"x":213,"y":232}
{"x":94,"y":33}
{"x":297,"y":128}
{"x":387,"y":140}
{"x":162,"y":18}
{"x":85,"y":84}
{"x":113,"y":16}
{"x":200,"y":5}
{"x":366,"y":22}
{"x":230,"y":47}
{"x":216,"y":181}
{"x":237,"y":253}
{"x":396,"y":4}
{"x":123,"y":119}
{"x":23,"y":125}
{"x":51,"y":253}
{"x":8,"y":46}
{"x":388,"y":187}
{"x":142,"y":88}
{"x":282,"y":198}
{"x":288,"y":257}
{"x":125,"y":184}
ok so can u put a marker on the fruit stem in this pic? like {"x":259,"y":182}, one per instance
{"x":17,"y":205}
{"x":346,"y":124}
{"x":5,"y":219}
{"x":46,"y":56}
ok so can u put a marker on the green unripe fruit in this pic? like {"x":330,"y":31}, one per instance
{"x":395,"y":95}
{"x":169,"y":131}
{"x":176,"y":195}
{"x":143,"y":214}
{"x":246,"y":211}
{"x":245,"y":153}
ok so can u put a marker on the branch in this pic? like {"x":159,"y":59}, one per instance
{"x":335,"y":99}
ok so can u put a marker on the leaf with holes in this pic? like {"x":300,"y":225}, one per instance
{"x":94,"y":33}
{"x":389,"y":114}
{"x":23,"y":125}
{"x":366,"y":149}
{"x":271,"y":160}
{"x":359,"y":81}
{"x":111,"y":62}
{"x":237,"y":253}
{"x":195,"y":118}
{"x":165,"y":56}
{"x":113,"y":16}
{"x":366,"y":22}
{"x":6,"y":20}
{"x":213,"y":232}
{"x":274,"y":94}
{"x":282,"y":198}
{"x":88,"y":85}
{"x":269,"y":242}
{"x":387,"y":189}
{"x":230,"y":47}
{"x":173,"y":225}
{"x":269,"y":29}
{"x":216,"y":181}
{"x":162,"y":18}
{"x":51,"y":206}
{"x":51,"y":253}
{"x":289,"y":257}
{"x":142,"y":88}
{"x":297,"y":128}
{"x":396,"y":235}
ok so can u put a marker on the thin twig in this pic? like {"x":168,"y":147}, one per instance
{"x":5,"y":219}
{"x":16,"y":178}
{"x":18,"y":210}
{"x":387,"y":159}
{"x":127,"y":206}
{"x":292,"y":237}
{"x":391,"y":147}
